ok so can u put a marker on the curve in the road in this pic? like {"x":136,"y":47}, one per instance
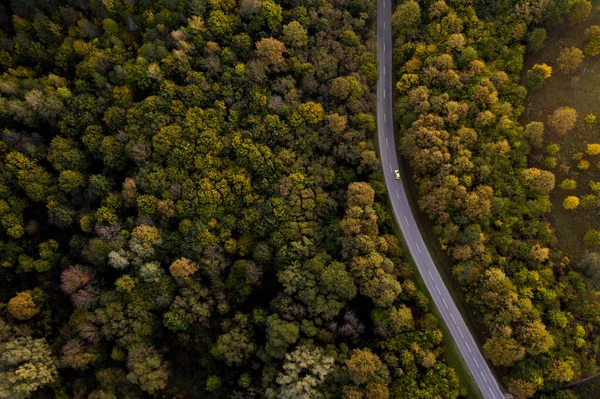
{"x":471,"y":354}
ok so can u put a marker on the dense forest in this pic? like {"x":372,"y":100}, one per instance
{"x":191,"y":206}
{"x":461,"y":89}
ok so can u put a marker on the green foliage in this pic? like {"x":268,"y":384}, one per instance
{"x":592,"y":237}
{"x":280,"y":335}
{"x":406,"y":17}
{"x":233,"y":347}
{"x":213,"y":383}
{"x":534,"y":132}
{"x":592,"y":41}
{"x":568,"y":185}
{"x":580,"y":11}
{"x":175,"y":321}
{"x":26,"y":364}
{"x":147,"y":369}
{"x":536,"y":40}
{"x":569,"y":59}
{"x":476,"y":182}
{"x":167,"y":166}
{"x":571,"y":202}
{"x":536,"y":75}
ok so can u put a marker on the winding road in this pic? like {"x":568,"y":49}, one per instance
{"x":458,"y":329}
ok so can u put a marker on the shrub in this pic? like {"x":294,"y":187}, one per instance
{"x":553,"y":149}
{"x":550,"y":162}
{"x":593,"y":149}
{"x":592,"y":237}
{"x":213,"y":383}
{"x":583,"y":164}
{"x":590,"y":118}
{"x":571,"y":202}
{"x":588,"y":201}
{"x":568,"y":184}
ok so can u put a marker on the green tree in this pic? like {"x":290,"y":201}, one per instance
{"x":539,"y":181}
{"x":534,"y":132}
{"x":535,"y":337}
{"x":26,"y":364}
{"x":280,"y":335}
{"x":406,"y":17}
{"x":592,"y":41}
{"x":503,"y":351}
{"x":537,"y":75}
{"x":22,"y":306}
{"x":234,"y":347}
{"x":590,"y":266}
{"x":147,"y":369}
{"x":536,"y":40}
{"x":294,"y":35}
{"x":561,"y":370}
{"x":220,"y":24}
{"x":569,"y":59}
{"x":521,"y":389}
{"x":580,"y":11}
{"x":71,"y":180}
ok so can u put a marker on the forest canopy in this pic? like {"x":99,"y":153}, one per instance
{"x":460,"y":99}
{"x":191,"y":202}
{"x":191,"y":206}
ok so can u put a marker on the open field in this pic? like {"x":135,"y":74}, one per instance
{"x":578,"y":90}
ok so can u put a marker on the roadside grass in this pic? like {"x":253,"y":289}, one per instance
{"x":579,"y":90}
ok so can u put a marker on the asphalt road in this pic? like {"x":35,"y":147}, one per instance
{"x":460,"y":333}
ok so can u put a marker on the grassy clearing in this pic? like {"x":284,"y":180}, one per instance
{"x":578,"y":90}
